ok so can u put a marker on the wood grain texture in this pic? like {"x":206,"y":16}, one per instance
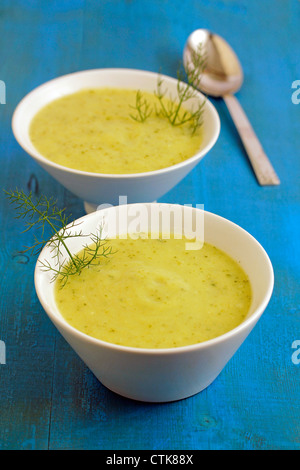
{"x":48,"y":398}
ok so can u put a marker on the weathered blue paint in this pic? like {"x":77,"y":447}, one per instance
{"x":48,"y":398}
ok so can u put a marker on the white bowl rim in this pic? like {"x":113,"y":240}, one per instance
{"x":39,"y":157}
{"x":175,"y":350}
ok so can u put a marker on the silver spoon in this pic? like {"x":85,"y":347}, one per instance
{"x":222,"y":77}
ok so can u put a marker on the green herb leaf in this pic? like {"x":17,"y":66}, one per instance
{"x":173,"y":109}
{"x":142,"y":107}
{"x":43,"y":212}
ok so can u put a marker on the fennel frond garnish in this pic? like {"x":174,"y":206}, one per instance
{"x":142,"y":108}
{"x":42,"y":213}
{"x":173,"y":109}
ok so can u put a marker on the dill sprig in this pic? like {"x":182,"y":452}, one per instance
{"x":42,"y":213}
{"x":142,"y":108}
{"x":173,"y":109}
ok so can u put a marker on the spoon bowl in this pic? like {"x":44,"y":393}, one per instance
{"x":223,"y":72}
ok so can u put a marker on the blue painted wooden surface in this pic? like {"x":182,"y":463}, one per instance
{"x":48,"y":398}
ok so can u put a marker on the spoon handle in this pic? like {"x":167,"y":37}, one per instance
{"x":262,"y":167}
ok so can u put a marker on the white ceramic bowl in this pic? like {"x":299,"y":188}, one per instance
{"x":160,"y":375}
{"x":96,"y":188}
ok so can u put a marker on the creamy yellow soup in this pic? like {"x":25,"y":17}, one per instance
{"x":153,"y":293}
{"x":92,"y":130}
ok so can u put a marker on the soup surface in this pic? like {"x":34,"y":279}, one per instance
{"x":153,"y":293}
{"x":92,"y":131}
